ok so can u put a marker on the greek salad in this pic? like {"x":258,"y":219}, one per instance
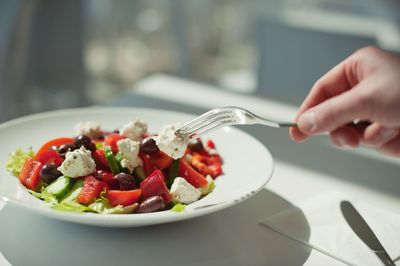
{"x":128,"y":170}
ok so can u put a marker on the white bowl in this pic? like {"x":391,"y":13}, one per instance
{"x":248,"y":165}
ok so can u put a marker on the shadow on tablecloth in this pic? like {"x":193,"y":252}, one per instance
{"x":229,"y":237}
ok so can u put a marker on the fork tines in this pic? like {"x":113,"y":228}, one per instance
{"x":207,"y":121}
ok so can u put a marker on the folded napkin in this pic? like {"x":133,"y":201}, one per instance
{"x":329,"y":233}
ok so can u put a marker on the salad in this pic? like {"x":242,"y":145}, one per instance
{"x":127,"y":170}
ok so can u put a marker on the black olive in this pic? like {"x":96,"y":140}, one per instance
{"x":63,"y":149}
{"x":149,"y":146}
{"x":85,"y":141}
{"x":49,"y":173}
{"x":152,"y":204}
{"x":125,"y":181}
{"x":195,"y":145}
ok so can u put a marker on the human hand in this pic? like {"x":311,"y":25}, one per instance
{"x":365,"y":87}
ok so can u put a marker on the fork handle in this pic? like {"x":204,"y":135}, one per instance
{"x":287,"y":124}
{"x":272,"y":123}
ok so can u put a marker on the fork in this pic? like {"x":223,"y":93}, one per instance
{"x":226,"y":116}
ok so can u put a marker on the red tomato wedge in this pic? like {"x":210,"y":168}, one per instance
{"x":161,"y":160}
{"x":53,"y":142}
{"x":148,"y":165}
{"x":29,"y":175}
{"x":106,"y":177}
{"x":111,"y":140}
{"x":49,"y":156}
{"x":123,"y":197}
{"x":91,"y":190}
{"x":191,"y":175}
{"x":100,"y":159}
{"x":154,"y":185}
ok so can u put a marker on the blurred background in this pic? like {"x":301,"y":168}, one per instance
{"x":58,"y":54}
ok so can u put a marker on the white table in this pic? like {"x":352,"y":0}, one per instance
{"x":232,"y":236}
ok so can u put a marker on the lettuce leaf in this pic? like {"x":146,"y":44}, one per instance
{"x":179,"y":207}
{"x":17,"y":159}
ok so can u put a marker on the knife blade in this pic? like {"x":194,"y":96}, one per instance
{"x":364,"y":232}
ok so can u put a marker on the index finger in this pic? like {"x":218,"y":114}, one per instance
{"x":336,"y":81}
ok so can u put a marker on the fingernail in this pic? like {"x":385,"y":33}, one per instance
{"x":388,"y":133}
{"x":307,"y":123}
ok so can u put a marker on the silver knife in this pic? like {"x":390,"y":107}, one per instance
{"x":364,"y":232}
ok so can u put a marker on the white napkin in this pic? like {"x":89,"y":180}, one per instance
{"x":330,"y":233}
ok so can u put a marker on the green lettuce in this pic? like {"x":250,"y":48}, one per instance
{"x":179,"y":207}
{"x":17,"y":159}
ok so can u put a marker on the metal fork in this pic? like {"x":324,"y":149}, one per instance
{"x":226,"y":116}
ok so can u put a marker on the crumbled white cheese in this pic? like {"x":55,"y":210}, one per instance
{"x":88,"y":128}
{"x":183,"y":192}
{"x":134,"y":129}
{"x":129,"y":150}
{"x":78,"y":163}
{"x":170,"y":142}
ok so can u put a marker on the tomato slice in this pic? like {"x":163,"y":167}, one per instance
{"x":29,"y":175}
{"x":123,"y":197}
{"x":191,"y":175}
{"x":50,"y":156}
{"x":53,"y":142}
{"x":106,"y":177}
{"x":100,"y":159}
{"x":111,"y":140}
{"x":91,"y":190}
{"x":154,"y":185}
{"x":161,"y":160}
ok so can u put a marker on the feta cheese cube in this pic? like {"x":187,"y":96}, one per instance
{"x":78,"y":163}
{"x":129,"y":150}
{"x":88,"y":128}
{"x":171,"y":143}
{"x":183,"y":192}
{"x":134,"y":129}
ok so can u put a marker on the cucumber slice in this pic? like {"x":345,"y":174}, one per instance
{"x":173,"y":172}
{"x":112,"y":162}
{"x":139,"y":173}
{"x":74,"y":192}
{"x":60,"y":187}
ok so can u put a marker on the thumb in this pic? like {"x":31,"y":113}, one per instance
{"x":336,"y":112}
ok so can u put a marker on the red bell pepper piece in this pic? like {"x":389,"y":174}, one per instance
{"x":191,"y":175}
{"x":123,"y":197}
{"x":154,"y":185}
{"x":111,"y":140}
{"x":207,"y":165}
{"x":51,"y":143}
{"x":29,"y":175}
{"x":161,"y":160}
{"x":50,"y":156}
{"x":91,"y":190}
